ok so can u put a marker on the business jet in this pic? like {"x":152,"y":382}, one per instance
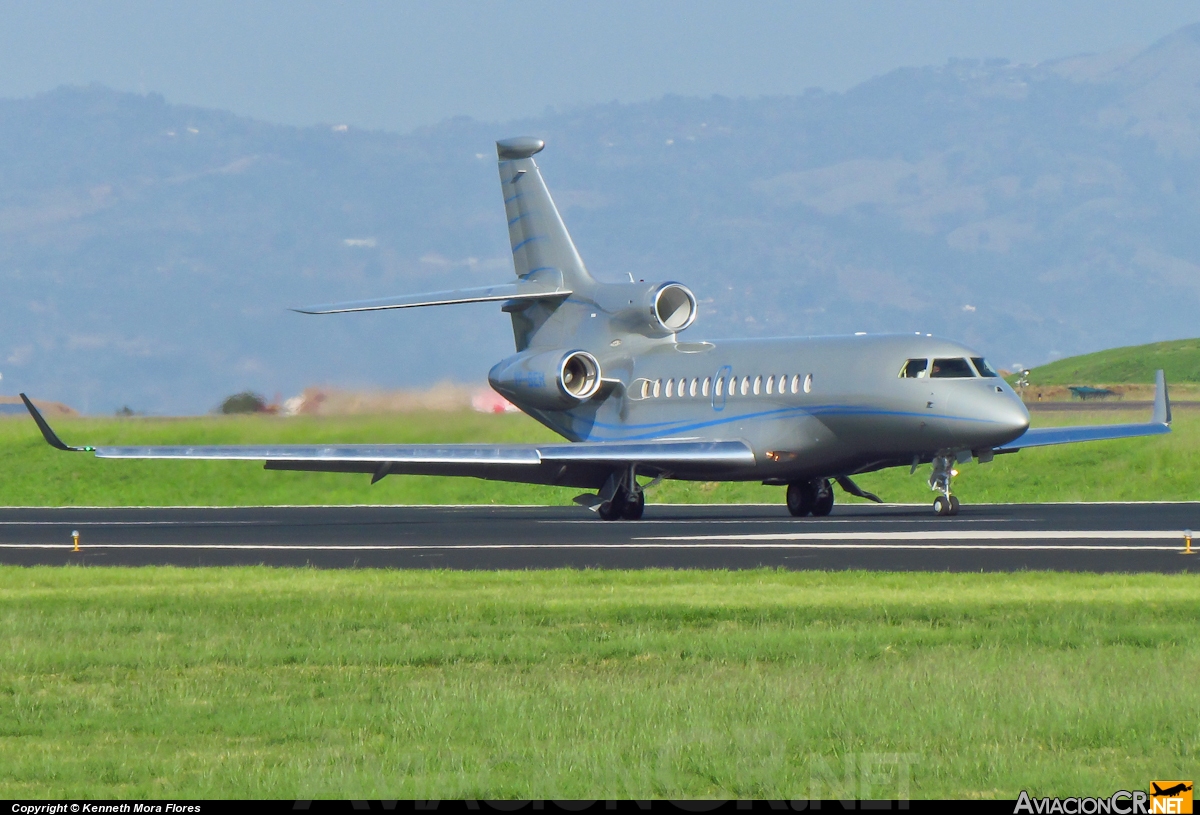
{"x":604,"y":366}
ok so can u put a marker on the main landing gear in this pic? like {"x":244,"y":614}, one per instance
{"x":810,"y":498}
{"x":939,"y":481}
{"x":625,"y":504}
{"x":621,"y":498}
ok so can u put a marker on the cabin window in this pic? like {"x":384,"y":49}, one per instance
{"x":704,"y":386}
{"x":951,"y":369}
{"x":657,"y":388}
{"x":914,"y":369}
{"x":757,"y":385}
{"x":694,"y":387}
{"x":669,"y":391}
{"x":720,"y":386}
{"x":645,"y":388}
{"x":808,"y":383}
{"x":745,"y":385}
{"x":984,"y":369}
{"x":795,"y":383}
{"x":771,"y":383}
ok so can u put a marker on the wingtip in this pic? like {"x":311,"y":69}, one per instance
{"x":1162,"y":399}
{"x":47,"y":432}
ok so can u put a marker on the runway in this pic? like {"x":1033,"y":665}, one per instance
{"x":1142,"y":537}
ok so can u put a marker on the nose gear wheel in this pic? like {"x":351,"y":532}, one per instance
{"x":940,"y":481}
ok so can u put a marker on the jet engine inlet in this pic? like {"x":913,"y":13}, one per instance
{"x":550,"y":380}
{"x":674,"y":307}
{"x":579,"y":375}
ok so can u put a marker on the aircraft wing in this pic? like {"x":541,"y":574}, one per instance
{"x":1160,"y":422}
{"x":582,"y":464}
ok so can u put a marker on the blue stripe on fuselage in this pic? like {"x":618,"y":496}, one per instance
{"x":683,"y":425}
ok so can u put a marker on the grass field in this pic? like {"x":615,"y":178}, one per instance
{"x":130,"y":683}
{"x":1165,"y":468}
{"x":1136,"y":364}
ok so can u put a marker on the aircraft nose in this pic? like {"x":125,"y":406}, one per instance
{"x":1012,"y":417}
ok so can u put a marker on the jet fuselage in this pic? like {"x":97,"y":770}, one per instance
{"x":807,"y":406}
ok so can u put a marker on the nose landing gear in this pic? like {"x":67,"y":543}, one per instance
{"x":939,"y":481}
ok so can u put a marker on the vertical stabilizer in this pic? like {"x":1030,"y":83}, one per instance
{"x":536,"y":232}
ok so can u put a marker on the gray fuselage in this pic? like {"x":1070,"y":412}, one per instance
{"x":844,"y":407}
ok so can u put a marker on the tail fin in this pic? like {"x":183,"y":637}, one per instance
{"x":536,"y":232}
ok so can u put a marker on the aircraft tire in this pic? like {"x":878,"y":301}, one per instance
{"x":954,"y":504}
{"x":823,"y":504}
{"x":613,"y":510}
{"x":800,"y":498}
{"x":634,"y":507}
{"x":942,"y":505}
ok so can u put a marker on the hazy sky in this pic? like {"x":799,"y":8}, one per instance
{"x":399,"y":65}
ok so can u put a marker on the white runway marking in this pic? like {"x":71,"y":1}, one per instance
{"x":588,"y":521}
{"x":816,"y":541}
{"x":699,"y":520}
{"x":142,"y":523}
{"x":941,"y":535}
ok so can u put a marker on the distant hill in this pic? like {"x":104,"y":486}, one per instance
{"x":149,"y":251}
{"x":1134,"y":365}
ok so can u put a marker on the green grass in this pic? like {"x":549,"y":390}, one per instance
{"x":1134,"y":469}
{"x":166,"y":682}
{"x":1135,"y":364}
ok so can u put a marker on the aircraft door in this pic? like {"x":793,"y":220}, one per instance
{"x":720,"y":387}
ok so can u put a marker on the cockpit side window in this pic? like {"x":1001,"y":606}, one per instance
{"x":914,"y":369}
{"x":951,"y":369}
{"x":984,"y":369}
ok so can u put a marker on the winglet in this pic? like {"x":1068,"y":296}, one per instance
{"x":1162,"y":402}
{"x":47,"y":432}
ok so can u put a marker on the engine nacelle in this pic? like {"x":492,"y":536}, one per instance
{"x":673,"y":307}
{"x":551,"y":380}
{"x":658,"y":310}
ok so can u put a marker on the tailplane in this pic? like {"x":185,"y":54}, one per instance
{"x":547,"y":264}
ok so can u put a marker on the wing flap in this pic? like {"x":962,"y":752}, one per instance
{"x":575,"y":465}
{"x":510,"y":455}
{"x":665,"y":453}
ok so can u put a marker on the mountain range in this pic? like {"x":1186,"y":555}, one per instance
{"x":149,"y":251}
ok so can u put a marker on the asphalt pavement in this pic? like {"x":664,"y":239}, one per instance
{"x":1141,"y":537}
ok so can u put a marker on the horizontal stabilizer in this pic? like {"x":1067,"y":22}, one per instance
{"x":522,"y":290}
{"x":1160,"y":422}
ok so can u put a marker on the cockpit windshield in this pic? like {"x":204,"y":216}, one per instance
{"x":951,"y":369}
{"x":984,"y":369}
{"x":914,"y":369}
